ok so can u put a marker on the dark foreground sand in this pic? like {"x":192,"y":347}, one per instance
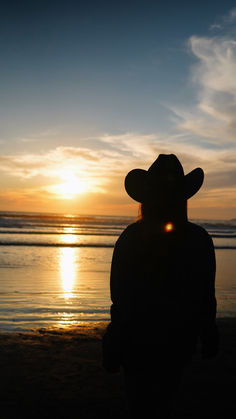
{"x":58,"y":374}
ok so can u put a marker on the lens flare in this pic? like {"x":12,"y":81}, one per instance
{"x":168,"y":227}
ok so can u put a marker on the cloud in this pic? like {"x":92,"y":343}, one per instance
{"x":49,"y":163}
{"x":204,"y":135}
{"x":216,"y":26}
{"x":225,"y":22}
{"x":212,"y":118}
{"x":210,"y":123}
{"x":115,"y":156}
{"x":96,"y":168}
{"x":231,"y":17}
{"x":105,"y":167}
{"x":125,"y":153}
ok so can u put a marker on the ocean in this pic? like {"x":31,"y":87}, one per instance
{"x":55,"y":268}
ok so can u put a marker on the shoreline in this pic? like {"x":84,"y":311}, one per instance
{"x":86,"y":326}
{"x":58,"y":373}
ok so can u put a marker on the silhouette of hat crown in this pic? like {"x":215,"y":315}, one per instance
{"x":164,"y":177}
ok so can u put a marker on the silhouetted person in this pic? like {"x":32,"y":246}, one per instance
{"x":162,"y":289}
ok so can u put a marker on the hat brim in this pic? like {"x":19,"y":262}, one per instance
{"x":136,"y":182}
{"x":193,"y":182}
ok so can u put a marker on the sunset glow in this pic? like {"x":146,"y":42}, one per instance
{"x":71,"y":187}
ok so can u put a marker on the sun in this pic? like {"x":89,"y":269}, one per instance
{"x":71,"y":187}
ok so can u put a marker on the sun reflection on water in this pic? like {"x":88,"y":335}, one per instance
{"x":67,"y":270}
{"x":67,"y":319}
{"x":69,"y":230}
{"x":69,"y":237}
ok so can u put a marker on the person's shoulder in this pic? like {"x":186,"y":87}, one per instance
{"x":129,"y":233}
{"x":198,"y":231}
{"x":131,"y":230}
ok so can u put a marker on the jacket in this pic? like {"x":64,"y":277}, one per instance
{"x":163,"y":295}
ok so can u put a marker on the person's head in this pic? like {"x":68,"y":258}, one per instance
{"x":174,"y":212}
{"x":163,"y":189}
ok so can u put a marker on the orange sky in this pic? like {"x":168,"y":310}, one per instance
{"x":71,"y":180}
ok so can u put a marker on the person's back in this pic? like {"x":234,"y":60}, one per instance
{"x":162,"y":285}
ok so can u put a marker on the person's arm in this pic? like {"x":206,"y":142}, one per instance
{"x":112,"y":338}
{"x":117,"y":281}
{"x":209,"y":332}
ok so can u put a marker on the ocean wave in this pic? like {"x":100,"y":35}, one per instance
{"x":223,"y":236}
{"x":88,"y":245}
{"x":54,"y":311}
{"x":230,"y":247}
{"x":40,"y":244}
{"x":63,"y":218}
{"x":37,"y":221}
{"x":35,"y":229}
{"x":217,"y":225}
{"x":60,"y":233}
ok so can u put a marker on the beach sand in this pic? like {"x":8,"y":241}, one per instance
{"x":58,"y":373}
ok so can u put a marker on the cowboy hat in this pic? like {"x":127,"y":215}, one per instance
{"x":164,"y":177}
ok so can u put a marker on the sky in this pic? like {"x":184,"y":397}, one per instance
{"x":92,"y":90}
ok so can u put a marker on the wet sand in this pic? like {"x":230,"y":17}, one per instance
{"x":58,"y":373}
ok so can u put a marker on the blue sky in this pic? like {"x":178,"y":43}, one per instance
{"x":95,"y":89}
